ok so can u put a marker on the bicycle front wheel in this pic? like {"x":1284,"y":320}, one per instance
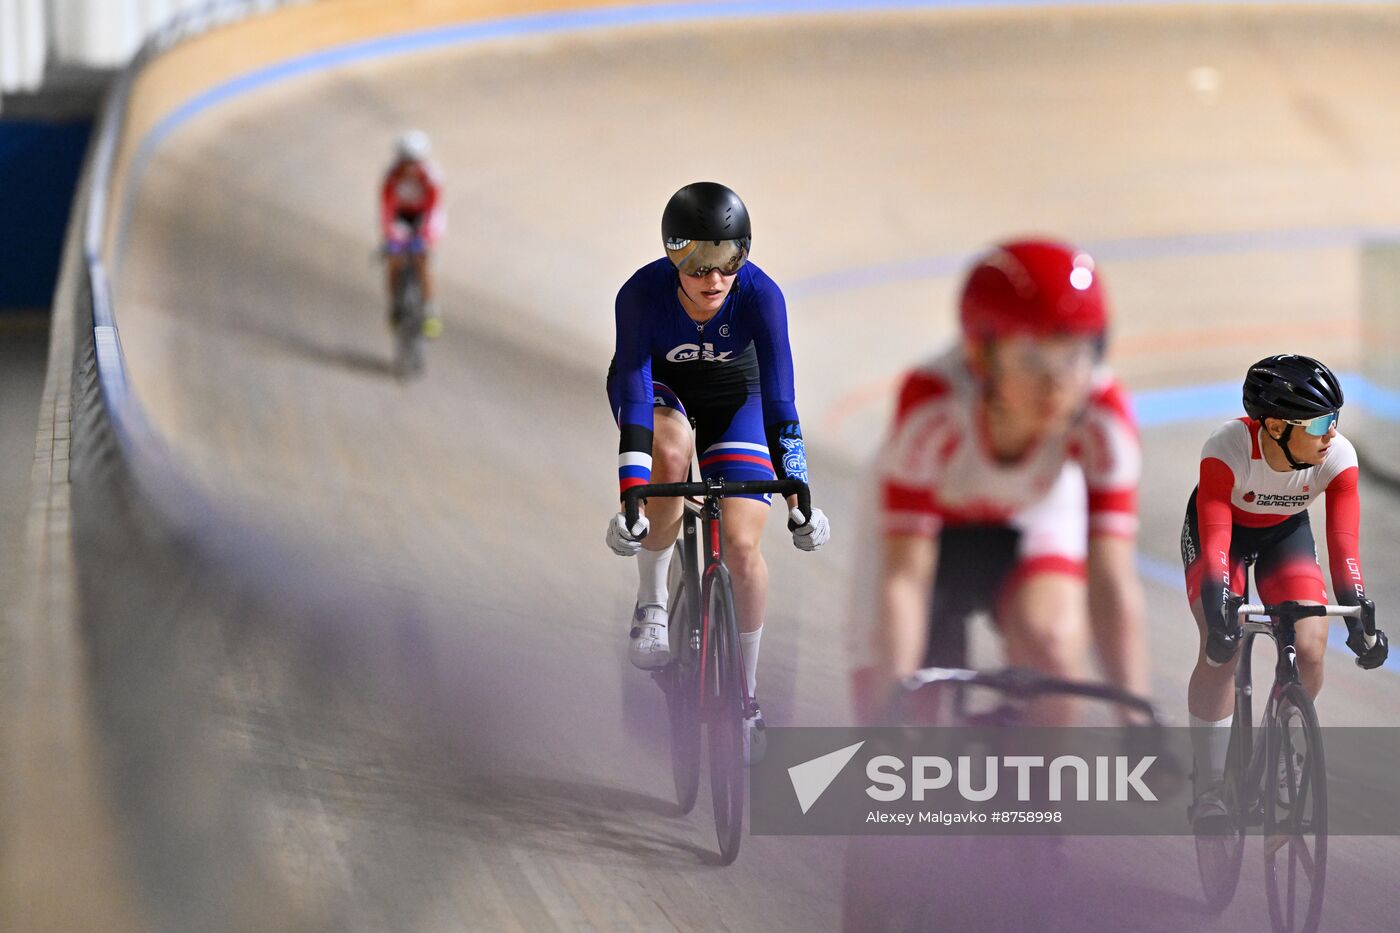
{"x":408,"y":331}
{"x":1295,"y":814}
{"x":1219,"y":856}
{"x":724,"y":718}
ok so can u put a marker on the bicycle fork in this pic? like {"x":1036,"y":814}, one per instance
{"x":714,"y":553}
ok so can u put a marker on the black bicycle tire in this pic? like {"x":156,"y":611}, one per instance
{"x":724,"y":723}
{"x":1220,"y":870}
{"x":1294,"y":695}
{"x":409,"y":314}
{"x":682,"y":703}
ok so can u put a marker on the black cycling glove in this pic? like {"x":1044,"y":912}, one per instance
{"x":1223,"y":629}
{"x":1357,"y":631}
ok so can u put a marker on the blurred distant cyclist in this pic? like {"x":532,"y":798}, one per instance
{"x":1258,"y":476}
{"x":1008,"y":485}
{"x":702,"y":337}
{"x":413,"y":217}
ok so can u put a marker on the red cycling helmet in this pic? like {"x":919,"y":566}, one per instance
{"x":1038,"y":288}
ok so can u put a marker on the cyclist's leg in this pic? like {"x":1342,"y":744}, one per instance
{"x":1043,"y":607}
{"x":1210,"y":692}
{"x":733,"y":446}
{"x":974,"y":562}
{"x":743,"y":530}
{"x":1288,"y":570}
{"x":1209,"y":695}
{"x":671,"y":451}
{"x":428,"y":230}
{"x":420,"y":261}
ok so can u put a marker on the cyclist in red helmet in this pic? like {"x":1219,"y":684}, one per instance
{"x":1008,"y":485}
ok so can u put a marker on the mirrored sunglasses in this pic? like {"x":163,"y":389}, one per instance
{"x":1319,"y":426}
{"x":701,"y":257}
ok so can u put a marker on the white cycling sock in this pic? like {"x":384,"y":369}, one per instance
{"x":653,"y":567}
{"x":748,"y":641}
{"x":1210,"y":741}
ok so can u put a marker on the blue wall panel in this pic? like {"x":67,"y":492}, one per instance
{"x":39,"y":165}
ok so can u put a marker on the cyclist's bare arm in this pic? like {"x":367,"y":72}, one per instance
{"x":1116,"y":612}
{"x":906,"y":582}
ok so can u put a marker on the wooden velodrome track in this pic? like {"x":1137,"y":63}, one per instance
{"x":1221,"y":157}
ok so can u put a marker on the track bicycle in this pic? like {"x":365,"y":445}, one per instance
{"x":1275,"y":777}
{"x":960,"y":881}
{"x":704,"y":680}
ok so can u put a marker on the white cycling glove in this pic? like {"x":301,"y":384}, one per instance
{"x":625,"y":542}
{"x":809,"y":535}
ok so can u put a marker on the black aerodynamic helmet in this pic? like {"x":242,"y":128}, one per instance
{"x":706,"y":226}
{"x":1290,"y":387}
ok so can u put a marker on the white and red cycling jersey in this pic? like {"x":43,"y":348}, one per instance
{"x":412,"y":195}
{"x":937,"y":467}
{"x":1241,"y":496}
{"x":936,"y":472}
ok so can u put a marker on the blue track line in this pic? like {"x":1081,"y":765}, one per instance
{"x":1155,"y":408}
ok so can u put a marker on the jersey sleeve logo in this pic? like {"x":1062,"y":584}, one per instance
{"x":1249,"y":496}
{"x":794,"y":458}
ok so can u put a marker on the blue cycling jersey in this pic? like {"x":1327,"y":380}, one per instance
{"x":658,"y":342}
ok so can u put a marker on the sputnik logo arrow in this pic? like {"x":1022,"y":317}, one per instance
{"x":811,"y":778}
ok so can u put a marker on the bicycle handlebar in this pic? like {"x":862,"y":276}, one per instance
{"x":1294,"y":611}
{"x":1024,"y":684}
{"x":717,"y":489}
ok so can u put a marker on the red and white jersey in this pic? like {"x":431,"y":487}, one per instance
{"x":937,"y":467}
{"x":1261,"y":496}
{"x":413,"y":189}
{"x":1238,"y":487}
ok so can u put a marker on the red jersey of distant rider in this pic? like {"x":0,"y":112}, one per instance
{"x":412,"y":195}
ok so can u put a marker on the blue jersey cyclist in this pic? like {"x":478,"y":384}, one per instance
{"x":702,"y":339}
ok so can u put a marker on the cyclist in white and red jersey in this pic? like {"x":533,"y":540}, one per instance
{"x":1009,"y":485}
{"x":412,"y":218}
{"x":1258,"y":476}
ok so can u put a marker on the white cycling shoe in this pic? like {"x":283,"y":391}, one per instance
{"x":650,"y":649}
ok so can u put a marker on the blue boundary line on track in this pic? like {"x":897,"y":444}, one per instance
{"x":1155,"y":408}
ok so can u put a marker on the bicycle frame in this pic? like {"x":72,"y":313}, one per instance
{"x":706,"y":514}
{"x":711,"y":688}
{"x":1282,"y":628}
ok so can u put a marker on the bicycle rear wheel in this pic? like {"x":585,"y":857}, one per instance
{"x":683,"y":689}
{"x":1295,"y":814}
{"x":724,"y":718}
